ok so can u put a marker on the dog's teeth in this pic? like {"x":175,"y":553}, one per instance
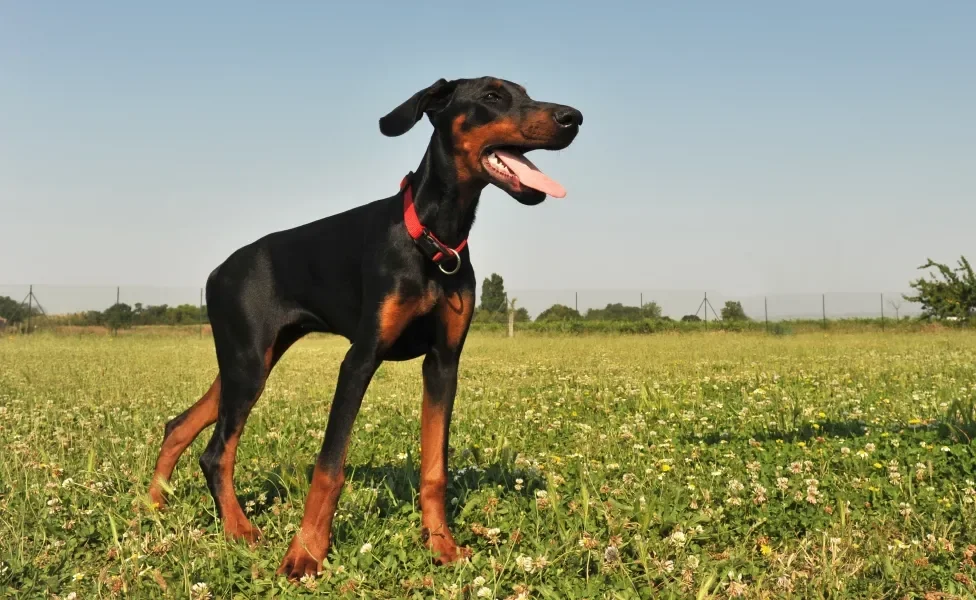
{"x":501,"y":168}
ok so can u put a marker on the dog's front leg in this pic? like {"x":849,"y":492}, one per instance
{"x":440,"y":387}
{"x":310,"y":545}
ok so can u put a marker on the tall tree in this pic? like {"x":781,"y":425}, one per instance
{"x":493,"y":296}
{"x":952,"y":296}
{"x":559,"y":312}
{"x":118,"y":316}
{"x":13,"y":311}
{"x":652,"y":310}
{"x":733,"y":311}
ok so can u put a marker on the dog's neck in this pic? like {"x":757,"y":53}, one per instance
{"x":445,"y":205}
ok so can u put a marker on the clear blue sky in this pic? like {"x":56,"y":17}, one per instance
{"x":747,"y":148}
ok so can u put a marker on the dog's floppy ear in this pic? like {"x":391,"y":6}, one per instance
{"x":427,"y":100}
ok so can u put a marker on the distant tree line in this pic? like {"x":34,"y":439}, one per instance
{"x":950,"y":296}
{"x":117,"y":316}
{"x":494,"y":308}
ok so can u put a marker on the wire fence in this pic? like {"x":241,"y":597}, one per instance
{"x":62,"y":300}
{"x":679,"y":304}
{"x":71,"y":299}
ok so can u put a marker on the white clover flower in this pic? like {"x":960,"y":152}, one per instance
{"x":200,"y":591}
{"x":758,"y":494}
{"x":525,"y":563}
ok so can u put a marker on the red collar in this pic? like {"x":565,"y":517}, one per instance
{"x":428,"y":242}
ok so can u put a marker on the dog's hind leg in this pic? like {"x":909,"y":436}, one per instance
{"x":241,"y":385}
{"x":180,"y":433}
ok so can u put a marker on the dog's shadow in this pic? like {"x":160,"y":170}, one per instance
{"x":852,"y":429}
{"x":397,"y":485}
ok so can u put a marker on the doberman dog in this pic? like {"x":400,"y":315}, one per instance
{"x":393,"y":277}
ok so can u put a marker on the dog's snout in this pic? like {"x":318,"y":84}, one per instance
{"x":567,"y":116}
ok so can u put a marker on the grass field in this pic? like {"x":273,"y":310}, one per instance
{"x":698,"y":465}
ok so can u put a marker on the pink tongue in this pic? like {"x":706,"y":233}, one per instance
{"x":529,"y":175}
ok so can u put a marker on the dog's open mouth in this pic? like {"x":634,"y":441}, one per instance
{"x":512,"y":168}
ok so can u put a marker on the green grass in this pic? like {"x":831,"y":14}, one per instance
{"x":691,"y":466}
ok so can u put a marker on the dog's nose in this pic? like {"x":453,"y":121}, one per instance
{"x":567,"y":116}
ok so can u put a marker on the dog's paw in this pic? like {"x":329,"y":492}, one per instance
{"x":244,"y":532}
{"x":299,"y":561}
{"x":443,"y":547}
{"x":297,"y":565}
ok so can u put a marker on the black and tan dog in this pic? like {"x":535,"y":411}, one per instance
{"x":393,"y":277}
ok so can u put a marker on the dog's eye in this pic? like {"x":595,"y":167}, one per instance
{"x":492,"y":97}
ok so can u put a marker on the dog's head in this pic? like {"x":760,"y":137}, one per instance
{"x":490,"y":124}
